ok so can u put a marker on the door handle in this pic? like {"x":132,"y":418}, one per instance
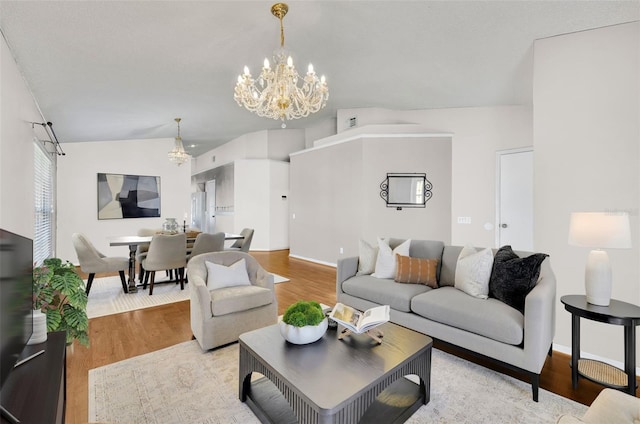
{"x":504,"y":225}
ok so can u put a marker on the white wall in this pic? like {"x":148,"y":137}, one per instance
{"x":282,"y":142}
{"x":320,"y":130}
{"x":335,"y":193}
{"x":279,"y":205}
{"x":478,"y":132}
{"x":267,"y":144}
{"x":259,"y":187}
{"x":77,"y":190}
{"x":259,"y":163}
{"x":17,"y":110}
{"x":586,"y":141}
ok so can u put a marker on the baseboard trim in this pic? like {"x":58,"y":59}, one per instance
{"x":313,"y":260}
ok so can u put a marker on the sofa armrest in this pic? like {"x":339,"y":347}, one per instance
{"x":540,"y":317}
{"x":264,"y":279}
{"x":346,"y":268}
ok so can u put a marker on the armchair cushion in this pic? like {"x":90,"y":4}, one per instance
{"x":610,"y":406}
{"x":240,"y":298}
{"x":220,"y":276}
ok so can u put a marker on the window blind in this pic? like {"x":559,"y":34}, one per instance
{"x":44,"y":192}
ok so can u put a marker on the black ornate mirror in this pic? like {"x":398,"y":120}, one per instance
{"x":406,"y":190}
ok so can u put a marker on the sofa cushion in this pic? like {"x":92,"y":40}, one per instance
{"x":514,"y":277}
{"x":383,"y":291}
{"x":367,"y":258}
{"x":450,"y":256}
{"x":240,"y":298}
{"x":416,"y":271}
{"x":473,"y":271}
{"x":386,"y":261}
{"x":487,"y":317}
{"x":423,"y":249}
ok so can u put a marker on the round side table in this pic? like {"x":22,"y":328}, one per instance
{"x":617,"y":313}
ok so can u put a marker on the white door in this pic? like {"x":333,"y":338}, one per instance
{"x":515,"y":199}
{"x":210,"y":212}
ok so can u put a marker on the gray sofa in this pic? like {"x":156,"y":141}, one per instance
{"x":487,"y":327}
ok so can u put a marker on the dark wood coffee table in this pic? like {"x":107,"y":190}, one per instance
{"x":335,"y":381}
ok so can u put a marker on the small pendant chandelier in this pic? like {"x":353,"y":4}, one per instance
{"x":178,"y":155}
{"x":276,"y":93}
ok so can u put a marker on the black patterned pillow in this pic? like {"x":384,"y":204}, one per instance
{"x":513,"y":277}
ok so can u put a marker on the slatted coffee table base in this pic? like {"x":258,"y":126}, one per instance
{"x":389,"y":398}
{"x":394,"y":405}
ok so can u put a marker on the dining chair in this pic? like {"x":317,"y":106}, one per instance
{"x":93,"y":262}
{"x":205,"y":243}
{"x":244,"y":243}
{"x":166,"y":252}
{"x":141,"y":251}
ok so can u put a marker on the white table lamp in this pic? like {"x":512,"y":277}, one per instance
{"x":599,"y":230}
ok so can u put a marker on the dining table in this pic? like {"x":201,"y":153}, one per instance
{"x":134,"y":241}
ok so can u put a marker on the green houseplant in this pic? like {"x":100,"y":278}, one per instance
{"x":59,"y":292}
{"x":303,"y":322}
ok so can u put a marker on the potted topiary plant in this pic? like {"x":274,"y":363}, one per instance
{"x":59,"y":292}
{"x":303,"y":323}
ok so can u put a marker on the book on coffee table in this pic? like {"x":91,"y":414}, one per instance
{"x":359,"y":322}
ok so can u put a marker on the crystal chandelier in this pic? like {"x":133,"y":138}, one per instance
{"x":178,"y":155}
{"x":276,"y":93}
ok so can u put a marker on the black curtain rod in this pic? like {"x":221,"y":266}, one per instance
{"x":52,"y":136}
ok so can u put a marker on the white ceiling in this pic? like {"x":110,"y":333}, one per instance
{"x":116,"y":70}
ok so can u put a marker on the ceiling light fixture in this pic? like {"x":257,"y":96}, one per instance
{"x":276,"y":93}
{"x":178,"y":155}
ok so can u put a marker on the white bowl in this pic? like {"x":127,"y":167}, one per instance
{"x":303,"y":335}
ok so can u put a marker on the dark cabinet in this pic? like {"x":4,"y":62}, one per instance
{"x":35,"y":391}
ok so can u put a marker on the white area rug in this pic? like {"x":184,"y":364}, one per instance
{"x":279,"y":279}
{"x":181,"y":384}
{"x":106,"y":296}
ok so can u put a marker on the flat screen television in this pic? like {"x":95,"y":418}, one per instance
{"x":16,"y":298}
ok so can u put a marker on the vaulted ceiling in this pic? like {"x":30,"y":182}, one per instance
{"x":115,"y":70}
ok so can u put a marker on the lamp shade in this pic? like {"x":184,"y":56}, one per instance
{"x":600,"y":230}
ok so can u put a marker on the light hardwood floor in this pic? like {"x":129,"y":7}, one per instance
{"x":121,"y":336}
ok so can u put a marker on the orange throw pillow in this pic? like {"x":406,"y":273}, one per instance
{"x":416,"y":270}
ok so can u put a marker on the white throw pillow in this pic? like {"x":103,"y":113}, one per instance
{"x":367,"y":259}
{"x":386,"y":261}
{"x":473,"y":271}
{"x":219,"y":276}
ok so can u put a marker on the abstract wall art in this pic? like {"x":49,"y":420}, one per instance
{"x":128,"y":196}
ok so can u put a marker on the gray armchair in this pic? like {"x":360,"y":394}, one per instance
{"x":219,"y":316}
{"x":93,"y":262}
{"x":610,"y":406}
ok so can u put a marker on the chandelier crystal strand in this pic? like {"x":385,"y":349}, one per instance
{"x":276,"y":93}
{"x":178,"y":154}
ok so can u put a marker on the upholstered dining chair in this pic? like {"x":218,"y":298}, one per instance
{"x":244,"y":243}
{"x":93,"y":262}
{"x":205,"y":243}
{"x":223,"y":307}
{"x":166,"y":252}
{"x":141,"y":251}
